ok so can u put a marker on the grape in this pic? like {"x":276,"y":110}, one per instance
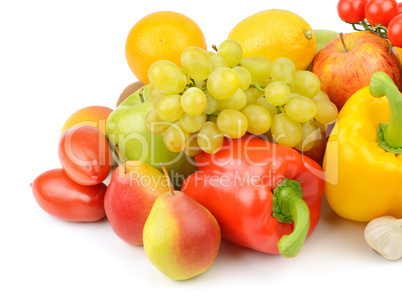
{"x":192,"y":148}
{"x":300,"y":108}
{"x":305,"y":83}
{"x":218,"y":62}
{"x":154,"y":95}
{"x":202,"y":85}
{"x":154,"y":124}
{"x":321,"y":95}
{"x":253,"y":94}
{"x":258,"y":118}
{"x":264,"y":103}
{"x":259,"y":68}
{"x":169,"y":108}
{"x":286,"y":131}
{"x":175,"y":138}
{"x":244,"y":77}
{"x":282,"y":69}
{"x":193,"y":101}
{"x":196,"y":62}
{"x":231,"y":51}
{"x":223,"y":83}
{"x":237,"y":101}
{"x":210,"y":138}
{"x":327,"y":111}
{"x":212,"y":105}
{"x":232,"y":123}
{"x":167,"y":77}
{"x":309,"y":136}
{"x":277,"y":93}
{"x":191,"y":123}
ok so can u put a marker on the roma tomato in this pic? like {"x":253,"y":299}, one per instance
{"x":85,"y":155}
{"x":351,"y":11}
{"x":63,"y":198}
{"x":380,"y":11}
{"x":394,"y":31}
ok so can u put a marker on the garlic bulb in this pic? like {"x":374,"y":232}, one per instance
{"x":384,"y":236}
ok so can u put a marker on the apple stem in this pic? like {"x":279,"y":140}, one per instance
{"x":171,"y":187}
{"x":120,"y":157}
{"x":343,"y":42}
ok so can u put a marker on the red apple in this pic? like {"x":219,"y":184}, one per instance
{"x":129,"y":198}
{"x":344,"y":68}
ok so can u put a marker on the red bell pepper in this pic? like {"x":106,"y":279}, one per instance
{"x":265,"y":196}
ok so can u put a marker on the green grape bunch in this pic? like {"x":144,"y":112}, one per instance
{"x":221,"y":94}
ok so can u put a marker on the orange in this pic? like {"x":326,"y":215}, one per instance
{"x":276,"y":33}
{"x":160,"y":36}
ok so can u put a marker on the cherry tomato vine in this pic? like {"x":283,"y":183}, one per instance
{"x":383,"y":17}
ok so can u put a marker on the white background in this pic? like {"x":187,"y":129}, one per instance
{"x":57,"y":58}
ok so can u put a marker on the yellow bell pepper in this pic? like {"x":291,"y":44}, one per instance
{"x":363,"y":160}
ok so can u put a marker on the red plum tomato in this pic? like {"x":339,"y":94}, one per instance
{"x":380,"y":12}
{"x":63,"y":198}
{"x":85,"y":155}
{"x":351,"y":11}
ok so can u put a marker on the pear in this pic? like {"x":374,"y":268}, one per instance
{"x":323,"y":37}
{"x":181,"y":237}
{"x":125,"y":127}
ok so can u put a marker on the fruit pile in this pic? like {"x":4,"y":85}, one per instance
{"x":234,"y":123}
{"x":221,"y":94}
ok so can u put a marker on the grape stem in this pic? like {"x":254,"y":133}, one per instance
{"x":259,"y":87}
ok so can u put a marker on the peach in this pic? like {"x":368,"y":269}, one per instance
{"x":95,"y":116}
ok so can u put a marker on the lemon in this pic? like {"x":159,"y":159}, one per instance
{"x":276,"y":33}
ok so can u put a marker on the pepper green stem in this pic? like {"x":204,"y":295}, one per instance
{"x":289,"y":207}
{"x":389,"y":135}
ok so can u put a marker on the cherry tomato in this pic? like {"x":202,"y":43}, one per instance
{"x":394,"y":31}
{"x":351,"y":11}
{"x":85,"y":155}
{"x":399,"y":7}
{"x":380,"y":11}
{"x":63,"y":198}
